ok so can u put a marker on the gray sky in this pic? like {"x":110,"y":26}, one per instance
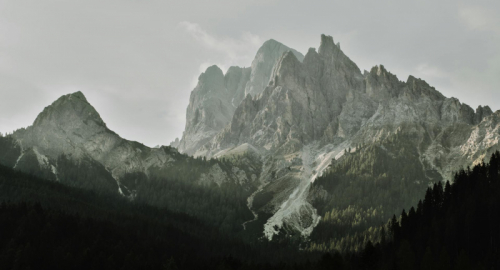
{"x":137,"y":61}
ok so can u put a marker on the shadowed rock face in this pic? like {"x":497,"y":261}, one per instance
{"x":215,"y":98}
{"x":312,"y":110}
{"x":326,"y":98}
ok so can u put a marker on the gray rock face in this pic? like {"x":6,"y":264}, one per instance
{"x":263,"y":63}
{"x":210,"y":106}
{"x":215,"y":98}
{"x":312,"y":111}
{"x":301,"y":103}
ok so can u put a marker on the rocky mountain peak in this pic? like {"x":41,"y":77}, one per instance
{"x":381,"y":84}
{"x":216,"y":97}
{"x":420,"y":87}
{"x":271,"y":46}
{"x":381,"y":74}
{"x":212,"y":71}
{"x":481,"y":113}
{"x":211,"y":79}
{"x":327,"y":46}
{"x":68,"y":108}
{"x":212,"y":104}
{"x":262,"y":66}
{"x":335,"y":58}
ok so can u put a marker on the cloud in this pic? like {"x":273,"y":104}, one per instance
{"x":478,"y":18}
{"x":235,"y":51}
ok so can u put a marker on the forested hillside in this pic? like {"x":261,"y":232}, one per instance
{"x":176,"y":187}
{"x":454,"y":227}
{"x":46,"y":225}
{"x":362,"y":191}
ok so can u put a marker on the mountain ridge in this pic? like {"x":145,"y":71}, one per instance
{"x":313,"y":111}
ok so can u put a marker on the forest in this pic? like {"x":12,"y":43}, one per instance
{"x":46,"y":225}
{"x":174,"y":222}
{"x":174,"y":187}
{"x":364,"y":189}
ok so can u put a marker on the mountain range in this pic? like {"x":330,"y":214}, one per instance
{"x":316,"y":108}
{"x":287,"y":142}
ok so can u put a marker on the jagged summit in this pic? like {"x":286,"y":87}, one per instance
{"x":214,"y":100}
{"x":315,"y":108}
{"x":420,"y":87}
{"x":274,"y":45}
{"x":210,"y":72}
{"x":211,"y":80}
{"x":262,"y":65}
{"x":327,"y":46}
{"x":77,"y":94}
{"x":481,"y":113}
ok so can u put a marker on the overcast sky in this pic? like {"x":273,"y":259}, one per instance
{"x":137,"y":61}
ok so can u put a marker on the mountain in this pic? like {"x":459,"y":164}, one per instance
{"x":316,"y":110}
{"x":213,"y":101}
{"x":71,"y":126}
{"x":71,"y":144}
{"x":321,"y":151}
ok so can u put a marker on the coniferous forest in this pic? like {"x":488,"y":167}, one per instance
{"x":47,"y":225}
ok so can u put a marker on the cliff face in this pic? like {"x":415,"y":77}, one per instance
{"x":313,"y":110}
{"x":215,"y":98}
